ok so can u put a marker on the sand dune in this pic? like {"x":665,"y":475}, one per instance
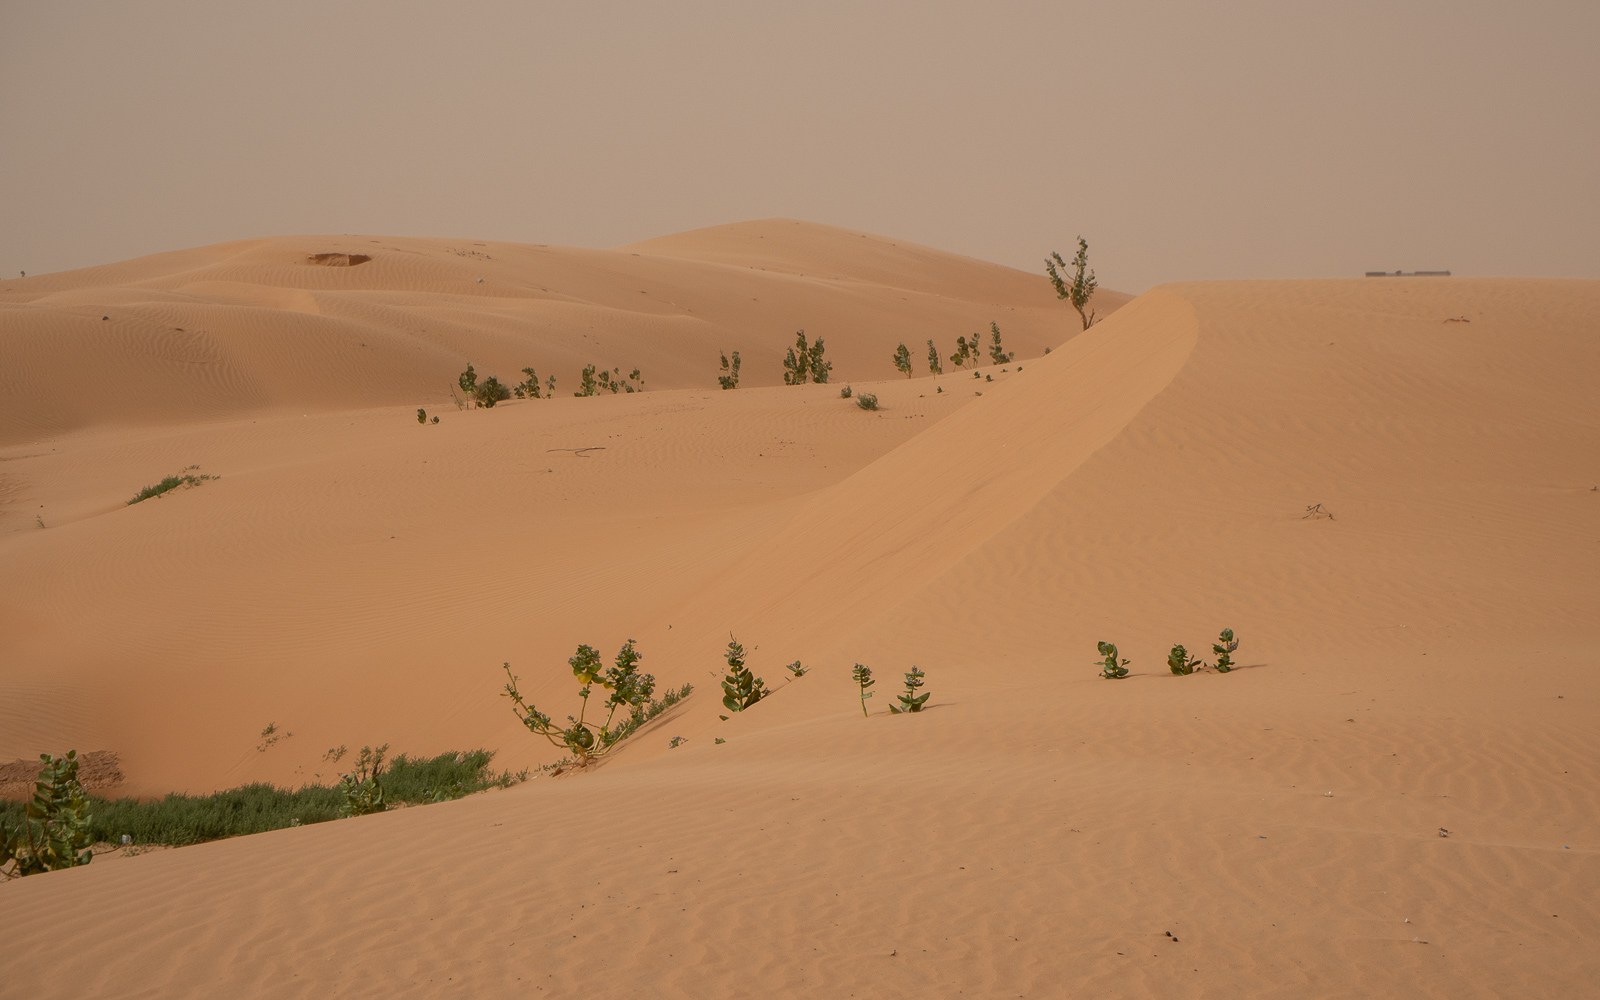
{"x":1421,"y":661}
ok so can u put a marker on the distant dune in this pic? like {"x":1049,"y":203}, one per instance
{"x":1387,"y":488}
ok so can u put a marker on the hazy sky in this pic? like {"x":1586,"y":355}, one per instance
{"x":1182,"y":138}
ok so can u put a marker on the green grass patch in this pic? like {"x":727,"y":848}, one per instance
{"x":188,"y":477}
{"x":179,"y":820}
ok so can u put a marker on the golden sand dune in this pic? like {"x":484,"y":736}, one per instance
{"x":1421,"y":661}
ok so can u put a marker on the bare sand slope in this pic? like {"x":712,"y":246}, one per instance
{"x":1394,"y":795}
{"x":317,"y":323}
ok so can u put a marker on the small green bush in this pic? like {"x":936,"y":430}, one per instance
{"x":729,"y":379}
{"x":934,"y":367}
{"x":1223,"y":649}
{"x":805,"y":363}
{"x":862,"y":675}
{"x":740,"y":687}
{"x":489,"y":392}
{"x":595,"y":379}
{"x":1180,"y":662}
{"x":54,"y":831}
{"x":902,"y":360}
{"x":1110,"y":667}
{"x":630,"y":692}
{"x":846,"y":392}
{"x":422,"y":415}
{"x":867,"y":401}
{"x":531,"y":388}
{"x":362,"y":789}
{"x":796,"y":668}
{"x":909,"y":700}
{"x":1081,"y":288}
{"x":997,"y":354}
{"x":468,"y":381}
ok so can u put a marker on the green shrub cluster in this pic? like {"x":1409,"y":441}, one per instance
{"x":741,"y":688}
{"x":1178,"y":659}
{"x":805,"y":363}
{"x":907,"y":701}
{"x":867,"y":401}
{"x":902,"y":360}
{"x":531,"y":388}
{"x":594,"y":380}
{"x":729,"y":379}
{"x":629,"y":694}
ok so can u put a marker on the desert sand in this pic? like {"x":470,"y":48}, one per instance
{"x":1395,"y":793}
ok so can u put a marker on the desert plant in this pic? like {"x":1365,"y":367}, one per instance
{"x":796,"y":668}
{"x":867,"y":401}
{"x":588,"y":385}
{"x":54,"y":832}
{"x":531,"y":388}
{"x":846,"y":392}
{"x":188,"y":477}
{"x":1223,"y":648}
{"x":997,"y":354}
{"x":740,"y":687}
{"x":1180,"y":662}
{"x":489,"y":392}
{"x":933,"y":360}
{"x":630,"y":692}
{"x":422,"y":415}
{"x":1110,"y":667}
{"x":909,"y":700}
{"x":433,"y":419}
{"x":902,"y":360}
{"x":362,"y":788}
{"x":805,"y":363}
{"x":1081,"y":289}
{"x":862,"y":675}
{"x":729,"y":379}
{"x":966,"y":350}
{"x":468,"y":381}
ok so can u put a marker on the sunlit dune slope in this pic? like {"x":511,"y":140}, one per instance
{"x":262,"y":325}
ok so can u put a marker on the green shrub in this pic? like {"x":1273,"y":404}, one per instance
{"x":740,"y":687}
{"x":846,"y":392}
{"x":594,"y":379}
{"x":997,"y":354}
{"x":862,"y":675}
{"x":1180,"y":662}
{"x":1110,"y":667}
{"x":468,"y":381}
{"x":867,"y":401}
{"x":362,"y":789}
{"x":909,"y":700}
{"x":902,"y":360}
{"x":630,"y":692}
{"x":1223,"y":648}
{"x":1081,"y":289}
{"x":729,"y":379}
{"x":805,"y":363}
{"x":530,"y":387}
{"x":796,"y":668}
{"x":186,"y":478}
{"x":54,"y":831}
{"x":933,"y":360}
{"x":422,"y":415}
{"x":489,"y":392}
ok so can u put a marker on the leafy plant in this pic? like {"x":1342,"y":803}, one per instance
{"x":740,"y":687}
{"x":997,"y":354}
{"x":909,"y":700}
{"x":933,"y":360}
{"x":729,"y":379}
{"x":468,"y":381}
{"x":1180,"y":662}
{"x":594,"y":379}
{"x":846,"y":392}
{"x":433,"y":419}
{"x":1110,"y":667}
{"x":1223,"y":648}
{"x":186,"y":478}
{"x":362,"y":789}
{"x":489,"y":392}
{"x":902,"y":360}
{"x":54,"y":832}
{"x":422,"y":415}
{"x":629,"y":693}
{"x":796,"y":668}
{"x":867,"y":401}
{"x":967,"y":351}
{"x":805,"y":363}
{"x":1081,"y":289}
{"x":862,"y":675}
{"x":530,"y":387}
